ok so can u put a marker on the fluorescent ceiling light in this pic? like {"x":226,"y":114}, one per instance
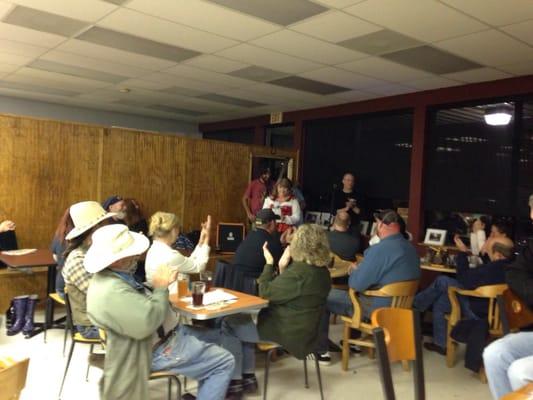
{"x":499,"y":115}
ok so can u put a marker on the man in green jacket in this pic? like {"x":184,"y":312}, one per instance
{"x":131,"y":316}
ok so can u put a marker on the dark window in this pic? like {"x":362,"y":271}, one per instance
{"x":280,"y":137}
{"x":245,"y":136}
{"x":376,"y":148}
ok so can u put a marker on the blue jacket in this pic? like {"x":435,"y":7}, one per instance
{"x":393,"y":259}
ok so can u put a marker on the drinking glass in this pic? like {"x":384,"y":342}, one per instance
{"x":198,"y":290}
{"x":207,"y":277}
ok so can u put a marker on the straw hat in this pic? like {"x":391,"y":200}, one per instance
{"x":85,"y":215}
{"x":111,"y":243}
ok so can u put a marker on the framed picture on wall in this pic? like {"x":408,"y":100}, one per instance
{"x":313,"y":217}
{"x":435,"y":237}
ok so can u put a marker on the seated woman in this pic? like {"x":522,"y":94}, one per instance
{"x":133,"y":217}
{"x":164,"y":230}
{"x":283,"y":203}
{"x":58,"y":247}
{"x":297,"y":296}
{"x":86,"y":216}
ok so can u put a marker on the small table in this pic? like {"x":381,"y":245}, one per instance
{"x":245,"y":302}
{"x":38,"y":258}
{"x":438,"y":268}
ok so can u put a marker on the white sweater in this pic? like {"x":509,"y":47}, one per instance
{"x":292,"y":205}
{"x":162,"y":254}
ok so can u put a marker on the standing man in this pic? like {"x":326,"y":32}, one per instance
{"x":255,"y":194}
{"x":350,"y":201}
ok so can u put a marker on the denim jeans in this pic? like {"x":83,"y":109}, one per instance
{"x":184,"y":353}
{"x":239,"y":336}
{"x":339,"y":303}
{"x":509,"y":363}
{"x":88,"y":332}
{"x":436,"y":295}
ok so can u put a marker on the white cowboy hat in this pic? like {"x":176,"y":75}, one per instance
{"x":85,"y":215}
{"x":111,"y":243}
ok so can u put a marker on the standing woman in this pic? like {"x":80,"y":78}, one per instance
{"x":283,"y":203}
{"x":164,"y":230}
{"x":58,"y":247}
{"x":87,"y":216}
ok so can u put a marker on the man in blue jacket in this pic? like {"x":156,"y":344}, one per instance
{"x":436,"y":294}
{"x":393,"y":259}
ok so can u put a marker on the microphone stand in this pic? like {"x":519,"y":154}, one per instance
{"x":332,"y":205}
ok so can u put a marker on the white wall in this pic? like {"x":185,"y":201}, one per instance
{"x":33,"y":108}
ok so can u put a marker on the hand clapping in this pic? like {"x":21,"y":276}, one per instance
{"x":267,"y":254}
{"x":7,"y":225}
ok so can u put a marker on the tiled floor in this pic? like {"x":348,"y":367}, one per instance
{"x":285,"y":382}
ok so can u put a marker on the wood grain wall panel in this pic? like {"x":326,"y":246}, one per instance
{"x":216,"y":177}
{"x":146,"y":166}
{"x":45,"y":166}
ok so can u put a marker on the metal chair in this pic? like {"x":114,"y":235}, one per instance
{"x":397,"y":336}
{"x":55,"y":297}
{"x":270,"y":348}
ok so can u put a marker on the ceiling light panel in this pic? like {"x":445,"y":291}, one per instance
{"x":76,"y":71}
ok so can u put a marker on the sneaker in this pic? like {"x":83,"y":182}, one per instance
{"x":235,"y":390}
{"x":434,"y":347}
{"x":249,"y":383}
{"x":323,"y":359}
{"x":188,"y":396}
{"x":353,"y":348}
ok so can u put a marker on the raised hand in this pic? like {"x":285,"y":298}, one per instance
{"x":7,"y":225}
{"x":267,"y":254}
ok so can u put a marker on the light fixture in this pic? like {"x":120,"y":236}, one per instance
{"x":125,"y":90}
{"x":499,"y":115}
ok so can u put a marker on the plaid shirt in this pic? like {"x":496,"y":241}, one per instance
{"x":74,"y":272}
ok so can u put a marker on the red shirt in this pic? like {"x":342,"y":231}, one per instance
{"x":256,"y":193}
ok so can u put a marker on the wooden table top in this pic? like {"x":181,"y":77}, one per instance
{"x":39,"y":258}
{"x":245,"y":302}
{"x":439,"y":268}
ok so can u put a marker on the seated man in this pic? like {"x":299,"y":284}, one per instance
{"x":436,"y":294}
{"x":509,"y":360}
{"x":249,"y":260}
{"x":131,"y":316}
{"x":393,"y":259}
{"x":341,"y":241}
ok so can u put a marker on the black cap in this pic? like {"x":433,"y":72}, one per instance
{"x":392,"y":217}
{"x":264,"y":216}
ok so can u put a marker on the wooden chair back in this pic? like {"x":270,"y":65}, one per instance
{"x":13,"y":380}
{"x":524,"y":393}
{"x":489,"y":292}
{"x":515,"y":313}
{"x":397,"y":336}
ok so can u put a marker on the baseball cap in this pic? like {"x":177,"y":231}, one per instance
{"x":264,"y":216}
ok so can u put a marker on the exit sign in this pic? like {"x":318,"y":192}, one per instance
{"x":276,"y":118}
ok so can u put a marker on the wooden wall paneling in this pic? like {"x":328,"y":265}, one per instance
{"x":216,"y":177}
{"x":45,"y":166}
{"x":146,"y":166}
{"x":17,"y":283}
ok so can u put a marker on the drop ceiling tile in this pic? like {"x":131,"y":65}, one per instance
{"x":30,"y":75}
{"x":206,"y":16}
{"x":215,"y":63}
{"x":136,"y":44}
{"x":118,"y":2}
{"x":299,"y":45}
{"x":339,"y":3}
{"x":76,"y":60}
{"x":431,"y":59}
{"x":379,"y":68}
{"x":335,"y":26}
{"x":479,"y":75}
{"x":251,"y":94}
{"x":269,"y":59}
{"x":523,"y":68}
{"x":30,"y":36}
{"x":5,"y":8}
{"x":279,"y":92}
{"x":96,"y":51}
{"x":488,"y":48}
{"x":85,"y":10}
{"x":176,"y":110}
{"x":258,"y":74}
{"x":21,"y":49}
{"x":7,"y":68}
{"x":433,"y":82}
{"x":391,"y":89}
{"x":185,"y":82}
{"x":44,"y":22}
{"x":308,"y":85}
{"x":14,"y":59}
{"x":207,"y":76}
{"x":33,"y":88}
{"x":522,"y":31}
{"x":164,"y":31}
{"x":144,"y":84}
{"x":280,"y":12}
{"x":342,"y":78}
{"x":230,"y":100}
{"x":184,"y":91}
{"x":356,"y":95}
{"x":76,"y":71}
{"x":428,"y":21}
{"x":379,"y":42}
{"x":495,"y":12}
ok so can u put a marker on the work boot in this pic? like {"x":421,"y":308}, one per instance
{"x":27,"y":329}
{"x":19,"y":305}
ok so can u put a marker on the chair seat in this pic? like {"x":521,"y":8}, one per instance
{"x":267,"y":346}
{"x":161,"y":374}
{"x":79,"y":338}
{"x":57,"y":298}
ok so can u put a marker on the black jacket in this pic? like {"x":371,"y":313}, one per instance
{"x":519,"y":274}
